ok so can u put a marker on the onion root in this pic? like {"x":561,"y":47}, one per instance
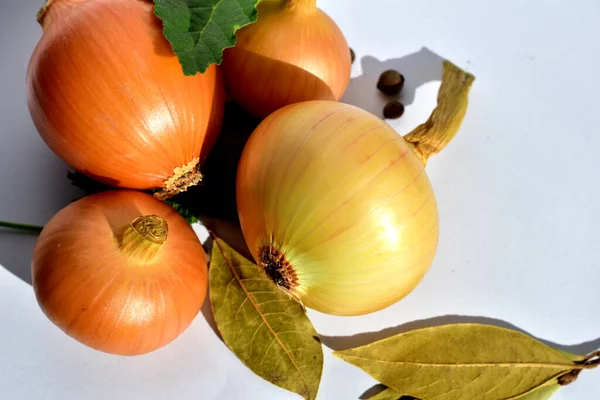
{"x":183,"y":178}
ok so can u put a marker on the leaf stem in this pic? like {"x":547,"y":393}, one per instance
{"x":21,"y":227}
{"x":592,"y":360}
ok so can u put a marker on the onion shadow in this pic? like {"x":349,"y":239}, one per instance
{"x":47,"y":190}
{"x":418,"y":68}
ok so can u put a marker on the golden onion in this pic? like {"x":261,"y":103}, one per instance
{"x":294,"y":52}
{"x":107,"y":94}
{"x":336,"y":207}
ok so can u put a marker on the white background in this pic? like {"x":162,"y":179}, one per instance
{"x":518,"y":192}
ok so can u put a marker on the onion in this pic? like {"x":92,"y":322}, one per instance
{"x":293,"y":53}
{"x":109,"y":97}
{"x":120,"y":272}
{"x":336,"y":207}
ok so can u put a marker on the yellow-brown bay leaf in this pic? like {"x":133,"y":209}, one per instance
{"x":267,"y":330}
{"x":541,"y":393}
{"x":466,"y":361}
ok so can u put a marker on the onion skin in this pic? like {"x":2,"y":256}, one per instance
{"x":343,"y":198}
{"x":293,"y":53}
{"x":125,"y":298}
{"x":109,"y":97}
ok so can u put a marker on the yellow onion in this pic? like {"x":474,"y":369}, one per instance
{"x":120,"y":272}
{"x":336,"y":207}
{"x":109,"y":97}
{"x":294,"y":52}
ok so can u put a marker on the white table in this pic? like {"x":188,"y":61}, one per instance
{"x":517,"y":190}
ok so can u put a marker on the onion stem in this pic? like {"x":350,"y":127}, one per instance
{"x":21,"y":227}
{"x":431,"y":137}
{"x":304,"y":5}
{"x":143,"y":238}
{"x":42,"y":12}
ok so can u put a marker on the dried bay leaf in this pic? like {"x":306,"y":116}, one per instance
{"x":267,"y":330}
{"x":542,"y":393}
{"x":571,"y":356}
{"x":468,"y":361}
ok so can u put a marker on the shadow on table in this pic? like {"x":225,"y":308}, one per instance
{"x":346,"y":342}
{"x":16,"y":249}
{"x":418,"y":69}
{"x":45,"y":192}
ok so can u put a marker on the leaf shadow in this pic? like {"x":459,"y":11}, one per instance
{"x":162,"y":47}
{"x":375,"y":390}
{"x":305,"y":86}
{"x":207,"y":312}
{"x":418,"y":68}
{"x":338,"y":343}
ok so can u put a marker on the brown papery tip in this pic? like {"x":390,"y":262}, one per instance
{"x":568,"y":378}
{"x":277,"y":268}
{"x":42,"y":12}
{"x":183,"y":178}
{"x":152,"y":228}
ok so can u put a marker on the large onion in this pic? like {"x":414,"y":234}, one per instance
{"x":109,"y":97}
{"x":120,"y":272}
{"x":336,"y":207}
{"x":294,"y":52}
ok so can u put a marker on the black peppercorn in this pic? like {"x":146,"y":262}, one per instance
{"x":390,"y":82}
{"x":352,"y":56}
{"x":392,"y":110}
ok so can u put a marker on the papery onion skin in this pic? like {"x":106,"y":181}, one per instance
{"x":109,"y":97}
{"x":109,"y":296}
{"x":343,"y":198}
{"x":294,"y":52}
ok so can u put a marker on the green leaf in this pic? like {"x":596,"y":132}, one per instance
{"x":262,"y":325}
{"x":199,"y":30}
{"x":462,"y":361}
{"x":185,"y":213}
